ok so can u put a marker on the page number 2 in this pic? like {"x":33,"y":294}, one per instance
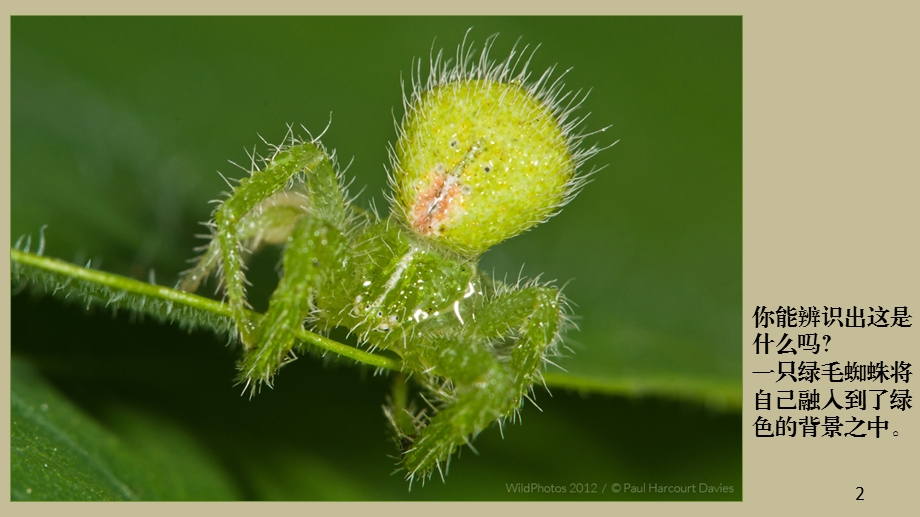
{"x":859,"y":497}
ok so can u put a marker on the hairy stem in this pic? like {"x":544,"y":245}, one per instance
{"x":108,"y":289}
{"x":192,"y":311}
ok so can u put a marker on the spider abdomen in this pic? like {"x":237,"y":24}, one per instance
{"x":479,"y":161}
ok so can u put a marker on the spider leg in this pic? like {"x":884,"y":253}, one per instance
{"x":480,"y":390}
{"x":235,"y":220}
{"x":271,"y":222}
{"x":487,"y":384}
{"x":315,"y":249}
{"x":536,"y":316}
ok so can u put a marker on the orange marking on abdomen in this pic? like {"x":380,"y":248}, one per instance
{"x":433,"y":204}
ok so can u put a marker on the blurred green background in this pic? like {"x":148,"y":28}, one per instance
{"x":118,"y":128}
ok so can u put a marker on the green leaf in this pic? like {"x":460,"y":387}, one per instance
{"x":58,"y":453}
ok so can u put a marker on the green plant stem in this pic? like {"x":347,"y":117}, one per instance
{"x":108,"y":289}
{"x":121,"y":283}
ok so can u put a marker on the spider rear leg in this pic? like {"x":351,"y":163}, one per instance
{"x":539,"y":314}
{"x":479,"y":387}
{"x":486,"y":383}
{"x":315,"y":250}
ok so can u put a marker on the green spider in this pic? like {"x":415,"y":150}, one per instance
{"x":482,"y":155}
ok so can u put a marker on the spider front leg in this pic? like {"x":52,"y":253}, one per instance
{"x":315,"y":250}
{"x":262,"y":209}
{"x":271,"y":222}
{"x":489,"y":377}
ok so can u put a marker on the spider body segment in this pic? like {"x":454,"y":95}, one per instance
{"x":482,"y":156}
